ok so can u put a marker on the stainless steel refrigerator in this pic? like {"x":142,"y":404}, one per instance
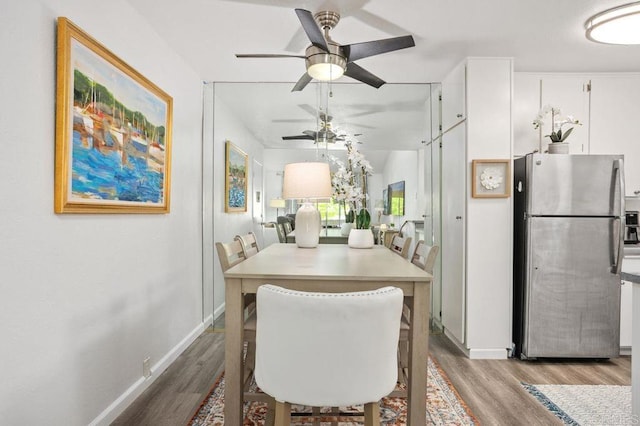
{"x":568,"y":246}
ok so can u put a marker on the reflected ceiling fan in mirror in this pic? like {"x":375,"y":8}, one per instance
{"x":326,"y":133}
{"x":327,"y":60}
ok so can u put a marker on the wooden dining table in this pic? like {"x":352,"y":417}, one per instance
{"x":327,"y":268}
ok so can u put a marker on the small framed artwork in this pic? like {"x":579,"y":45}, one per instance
{"x":113,"y":132}
{"x":235,"y":182}
{"x":491,"y":179}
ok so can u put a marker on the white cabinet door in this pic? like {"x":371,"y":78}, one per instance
{"x":436,"y":111}
{"x":526,"y":90}
{"x":454,"y":177}
{"x":615,"y":122}
{"x":570,"y":94}
{"x":453,"y":97}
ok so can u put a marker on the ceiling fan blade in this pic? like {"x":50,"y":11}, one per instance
{"x":370,"y":48}
{"x":302,"y":83}
{"x":312,"y":29}
{"x":266,"y":55}
{"x":310,"y":133}
{"x":293,"y":138}
{"x":355,"y":71}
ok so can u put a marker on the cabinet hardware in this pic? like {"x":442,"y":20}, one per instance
{"x":458,"y":217}
{"x":459,"y":115}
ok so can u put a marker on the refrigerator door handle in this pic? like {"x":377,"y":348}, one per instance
{"x":618,"y":167}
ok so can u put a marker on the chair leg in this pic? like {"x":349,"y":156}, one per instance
{"x":269,"y":418}
{"x":335,"y":411}
{"x":372,"y":414}
{"x":283,"y":414}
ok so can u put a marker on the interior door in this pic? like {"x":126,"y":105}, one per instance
{"x":454,"y":168}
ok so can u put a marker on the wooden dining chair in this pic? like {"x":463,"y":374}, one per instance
{"x":400,"y":245}
{"x":424,"y":257}
{"x":249,"y":244}
{"x":296,"y":364}
{"x":282,"y":237}
{"x":230,"y":255}
{"x":287,"y":228}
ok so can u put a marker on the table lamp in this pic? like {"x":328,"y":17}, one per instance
{"x":277,"y":203}
{"x":307,"y":181}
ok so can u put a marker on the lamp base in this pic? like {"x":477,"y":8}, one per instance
{"x":307,"y":226}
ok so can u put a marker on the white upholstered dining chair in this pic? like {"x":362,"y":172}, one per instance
{"x":327,"y":349}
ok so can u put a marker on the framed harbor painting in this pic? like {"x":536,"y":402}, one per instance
{"x":113,"y":132}
{"x":235,"y":182}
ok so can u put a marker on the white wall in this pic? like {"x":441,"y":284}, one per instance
{"x":85,"y":298}
{"x":226,"y":225}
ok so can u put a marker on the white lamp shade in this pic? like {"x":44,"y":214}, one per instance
{"x":620,"y":25}
{"x":277,"y":203}
{"x":310,"y":181}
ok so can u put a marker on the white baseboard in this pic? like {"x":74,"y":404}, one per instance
{"x":625,"y":350}
{"x":477,"y":353}
{"x":208,"y":321}
{"x":488,"y":353}
{"x":135,"y":390}
{"x":218,"y":312}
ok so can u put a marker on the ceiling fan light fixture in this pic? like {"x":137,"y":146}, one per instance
{"x":325,"y":66}
{"x":619,"y":25}
{"x":325,"y":71}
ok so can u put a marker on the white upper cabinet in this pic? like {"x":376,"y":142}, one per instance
{"x":615,"y":122}
{"x":526,"y":90}
{"x":532,"y":91}
{"x":453,"y":97}
{"x":570,"y":93}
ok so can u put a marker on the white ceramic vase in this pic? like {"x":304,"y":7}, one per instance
{"x":559,"y":148}
{"x":346,"y":228}
{"x":360,"y":238}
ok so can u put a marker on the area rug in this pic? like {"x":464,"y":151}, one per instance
{"x":444,"y":407}
{"x":584,"y":405}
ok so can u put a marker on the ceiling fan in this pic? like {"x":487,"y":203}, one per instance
{"x":327,"y":60}
{"x":324,"y":134}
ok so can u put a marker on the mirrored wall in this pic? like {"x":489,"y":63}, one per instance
{"x":395,"y":127}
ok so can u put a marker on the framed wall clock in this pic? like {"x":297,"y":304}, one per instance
{"x":491,"y":179}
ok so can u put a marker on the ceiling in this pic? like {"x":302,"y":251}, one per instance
{"x":540,"y":35}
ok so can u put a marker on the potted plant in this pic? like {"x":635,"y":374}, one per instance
{"x":350,"y":186}
{"x":557,"y":135}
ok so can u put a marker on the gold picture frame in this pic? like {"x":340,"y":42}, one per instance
{"x":235,"y":179}
{"x":491,"y":178}
{"x":113,"y":132}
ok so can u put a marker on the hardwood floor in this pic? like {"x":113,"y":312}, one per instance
{"x":491,"y":388}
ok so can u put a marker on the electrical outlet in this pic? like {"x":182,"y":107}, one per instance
{"x":146,"y":367}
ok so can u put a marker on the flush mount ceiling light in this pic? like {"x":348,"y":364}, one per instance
{"x":620,"y":25}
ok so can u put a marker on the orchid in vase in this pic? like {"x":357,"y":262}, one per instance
{"x":350,"y":185}
{"x":557,"y":121}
